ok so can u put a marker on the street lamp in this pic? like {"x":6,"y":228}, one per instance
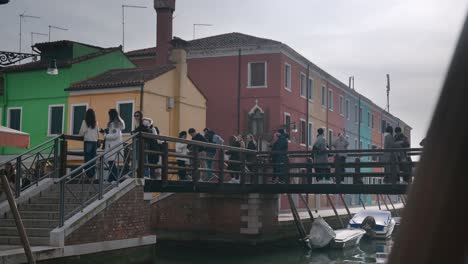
{"x":199,"y":25}
{"x":2,"y":2}
{"x":290,"y":127}
{"x":55,"y":27}
{"x":123,"y":21}
{"x":52,"y":69}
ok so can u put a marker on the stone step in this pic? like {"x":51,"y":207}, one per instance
{"x":35,"y":215}
{"x":33,"y":232}
{"x":30,"y":223}
{"x":50,"y":200}
{"x":46,"y":207}
{"x":15,"y":240}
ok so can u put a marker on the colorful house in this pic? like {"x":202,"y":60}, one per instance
{"x":162,"y":92}
{"x":36,"y":102}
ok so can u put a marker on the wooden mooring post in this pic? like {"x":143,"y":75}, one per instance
{"x":297,"y":221}
{"x":334,"y":210}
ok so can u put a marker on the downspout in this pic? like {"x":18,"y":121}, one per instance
{"x":327,"y":110}
{"x":307,"y":108}
{"x":238,"y":91}
{"x":141,"y":96}
{"x":359,"y":123}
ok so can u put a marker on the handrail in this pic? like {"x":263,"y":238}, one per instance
{"x":94,"y":159}
{"x":31,"y":150}
{"x":350,"y":151}
{"x":197,"y":143}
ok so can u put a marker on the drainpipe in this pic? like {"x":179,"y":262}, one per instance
{"x":141,"y":96}
{"x":307,"y":108}
{"x":238,"y":91}
{"x":359,"y":123}
{"x":327,"y":110}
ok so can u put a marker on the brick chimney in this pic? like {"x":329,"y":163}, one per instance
{"x":164,"y":10}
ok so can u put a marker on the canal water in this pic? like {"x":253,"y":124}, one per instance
{"x":369,"y":251}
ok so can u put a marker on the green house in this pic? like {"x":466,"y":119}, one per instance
{"x":35,"y":102}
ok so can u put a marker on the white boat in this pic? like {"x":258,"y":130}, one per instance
{"x":376,"y":223}
{"x":322,"y":235}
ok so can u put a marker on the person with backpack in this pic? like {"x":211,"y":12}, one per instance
{"x":213,"y":138}
{"x":279,"y":155}
{"x":201,"y":151}
{"x":90,"y":133}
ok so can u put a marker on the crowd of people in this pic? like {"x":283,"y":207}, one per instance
{"x":207,"y":156}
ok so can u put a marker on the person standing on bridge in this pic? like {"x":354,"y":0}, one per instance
{"x":389,"y":157}
{"x":251,"y":145}
{"x":213,"y":138}
{"x":201,"y":151}
{"x":113,"y":137}
{"x":321,"y":156}
{"x":279,"y":150}
{"x":402,"y":141}
{"x":89,"y":132}
{"x":181,"y":149}
{"x":340,"y":158}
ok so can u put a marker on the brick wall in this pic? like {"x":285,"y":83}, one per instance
{"x":128,"y":217}
{"x":205,"y":214}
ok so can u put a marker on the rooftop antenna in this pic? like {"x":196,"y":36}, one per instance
{"x":388,"y":92}
{"x":32,"y":38}
{"x":55,"y":27}
{"x":123,"y":21}
{"x":22,"y":16}
{"x":200,"y":25}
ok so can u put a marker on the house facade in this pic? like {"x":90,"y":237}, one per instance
{"x":36,"y":102}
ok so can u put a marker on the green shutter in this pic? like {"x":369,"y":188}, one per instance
{"x":79,"y":113}
{"x":126,"y":113}
{"x":56,"y":120}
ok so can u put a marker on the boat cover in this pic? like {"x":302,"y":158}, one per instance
{"x":320,"y":233}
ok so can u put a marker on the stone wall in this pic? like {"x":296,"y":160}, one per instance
{"x":128,"y":217}
{"x":212,"y":217}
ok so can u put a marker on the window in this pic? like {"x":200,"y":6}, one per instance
{"x":360,"y":115}
{"x":355,"y":144}
{"x":77,"y":116}
{"x":257,"y":74}
{"x":256,"y":122}
{"x":330,"y":138}
{"x":303,"y":132}
{"x":55,"y":120}
{"x":347,"y":109}
{"x":372,"y":120}
{"x":287,"y":122}
{"x":341,"y":105}
{"x":368,"y":120}
{"x":311,"y":89}
{"x":311,"y":134}
{"x":303,"y":85}
{"x":355,"y":114}
{"x":14,"y":117}
{"x":324,"y":100}
{"x":384,"y":125}
{"x":287,"y":77}
{"x":368,"y":146}
{"x":330,"y":100}
{"x":360,"y":144}
{"x":126,"y":113}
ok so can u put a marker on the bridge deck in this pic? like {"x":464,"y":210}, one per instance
{"x":232,"y":188}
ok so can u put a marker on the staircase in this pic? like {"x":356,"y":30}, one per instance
{"x":40,"y":214}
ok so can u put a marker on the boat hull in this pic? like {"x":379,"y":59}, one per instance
{"x":346,"y":238}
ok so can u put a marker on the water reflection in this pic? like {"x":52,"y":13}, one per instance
{"x":369,"y":251}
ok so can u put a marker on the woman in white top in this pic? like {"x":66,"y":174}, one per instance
{"x":181,"y":148}
{"x":113,"y":137}
{"x":89,"y":130}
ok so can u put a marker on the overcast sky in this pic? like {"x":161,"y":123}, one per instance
{"x":412,"y":40}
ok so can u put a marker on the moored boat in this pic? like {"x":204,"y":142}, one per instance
{"x":322,"y":235}
{"x":376,"y":223}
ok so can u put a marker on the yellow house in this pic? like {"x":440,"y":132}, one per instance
{"x":163,"y":93}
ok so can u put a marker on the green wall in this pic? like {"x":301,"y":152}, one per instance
{"x":81,"y":50}
{"x":35,"y":90}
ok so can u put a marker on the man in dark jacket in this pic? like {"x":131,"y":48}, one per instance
{"x":402,"y":142}
{"x":201,"y":151}
{"x":279,"y":156}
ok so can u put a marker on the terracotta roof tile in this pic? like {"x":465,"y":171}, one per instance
{"x":121,"y":78}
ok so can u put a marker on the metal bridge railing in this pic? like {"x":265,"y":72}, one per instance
{"x":87,"y":183}
{"x":40,"y":162}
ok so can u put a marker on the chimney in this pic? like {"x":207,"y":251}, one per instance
{"x":164,"y":10}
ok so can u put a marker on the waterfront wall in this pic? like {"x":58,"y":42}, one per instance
{"x":127,"y":217}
